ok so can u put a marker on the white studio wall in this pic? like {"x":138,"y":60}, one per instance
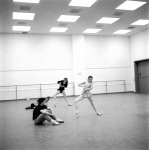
{"x":29,"y":59}
{"x":45,"y":59}
{"x":108,"y":52}
{"x":139,"y":44}
{"x":78,"y":61}
{"x":34,"y":59}
{"x":35,"y":52}
{"x":108,"y":59}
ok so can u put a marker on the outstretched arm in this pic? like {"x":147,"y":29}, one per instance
{"x":81,"y":84}
{"x":59,"y":82}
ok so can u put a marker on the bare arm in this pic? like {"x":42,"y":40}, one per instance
{"x":59,"y":82}
{"x":45,"y":111}
{"x":81,"y":84}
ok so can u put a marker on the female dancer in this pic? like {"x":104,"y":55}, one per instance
{"x":87,"y":86}
{"x":63,"y":84}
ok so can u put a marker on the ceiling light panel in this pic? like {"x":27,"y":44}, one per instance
{"x":68,"y":18}
{"x":107,"y":20}
{"x":131,"y":5}
{"x":122,"y":31}
{"x":91,"y":30}
{"x":23,"y":16}
{"x":27,"y":1}
{"x":21,"y":28}
{"x":141,"y":22}
{"x":56,"y":29}
{"x":82,"y":3}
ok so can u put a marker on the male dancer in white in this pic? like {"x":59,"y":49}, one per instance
{"x":87,"y":86}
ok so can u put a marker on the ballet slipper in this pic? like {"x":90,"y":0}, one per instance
{"x":100,"y":114}
{"x":69,"y":104}
{"x":59,"y":120}
{"x":55,"y":122}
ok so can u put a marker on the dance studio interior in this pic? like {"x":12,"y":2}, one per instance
{"x":101,"y":47}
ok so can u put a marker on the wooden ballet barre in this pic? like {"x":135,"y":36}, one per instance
{"x":7,"y":90}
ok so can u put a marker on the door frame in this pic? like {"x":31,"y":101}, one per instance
{"x":136,"y":79}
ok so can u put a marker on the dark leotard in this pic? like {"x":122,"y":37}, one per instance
{"x":62,"y":86}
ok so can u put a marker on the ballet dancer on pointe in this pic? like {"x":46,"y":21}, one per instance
{"x":63,"y":84}
{"x":87,"y":86}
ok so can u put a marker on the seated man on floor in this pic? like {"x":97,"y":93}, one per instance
{"x":41,"y":113}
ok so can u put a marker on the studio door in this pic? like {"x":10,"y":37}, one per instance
{"x":143,"y":76}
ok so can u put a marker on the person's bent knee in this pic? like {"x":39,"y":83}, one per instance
{"x":37,"y":122}
{"x":40,"y":119}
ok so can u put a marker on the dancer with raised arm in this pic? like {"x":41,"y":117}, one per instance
{"x":87,"y":86}
{"x":63,"y":84}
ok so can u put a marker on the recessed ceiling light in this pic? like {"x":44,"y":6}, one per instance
{"x":23,"y":16}
{"x":141,"y":22}
{"x":27,"y":1}
{"x":56,"y":29}
{"x":107,"y":20}
{"x":91,"y":30}
{"x":122,"y":31}
{"x":21,"y":28}
{"x":131,"y":5}
{"x":82,"y":3}
{"x":68,"y":18}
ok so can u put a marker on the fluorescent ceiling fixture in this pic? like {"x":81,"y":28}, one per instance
{"x":91,"y":30}
{"x":122,"y":31}
{"x":141,"y":22}
{"x":68,"y":18}
{"x":131,"y":5}
{"x":27,"y":1}
{"x":21,"y":28}
{"x":56,"y":29}
{"x":107,"y":20}
{"x":23,"y":16}
{"x":82,"y":3}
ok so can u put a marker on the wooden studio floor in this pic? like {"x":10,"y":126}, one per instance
{"x":124,"y":125}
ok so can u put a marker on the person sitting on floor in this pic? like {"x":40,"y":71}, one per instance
{"x":33,"y":105}
{"x":41,"y":113}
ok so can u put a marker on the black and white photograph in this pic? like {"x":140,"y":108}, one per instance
{"x":74,"y":74}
